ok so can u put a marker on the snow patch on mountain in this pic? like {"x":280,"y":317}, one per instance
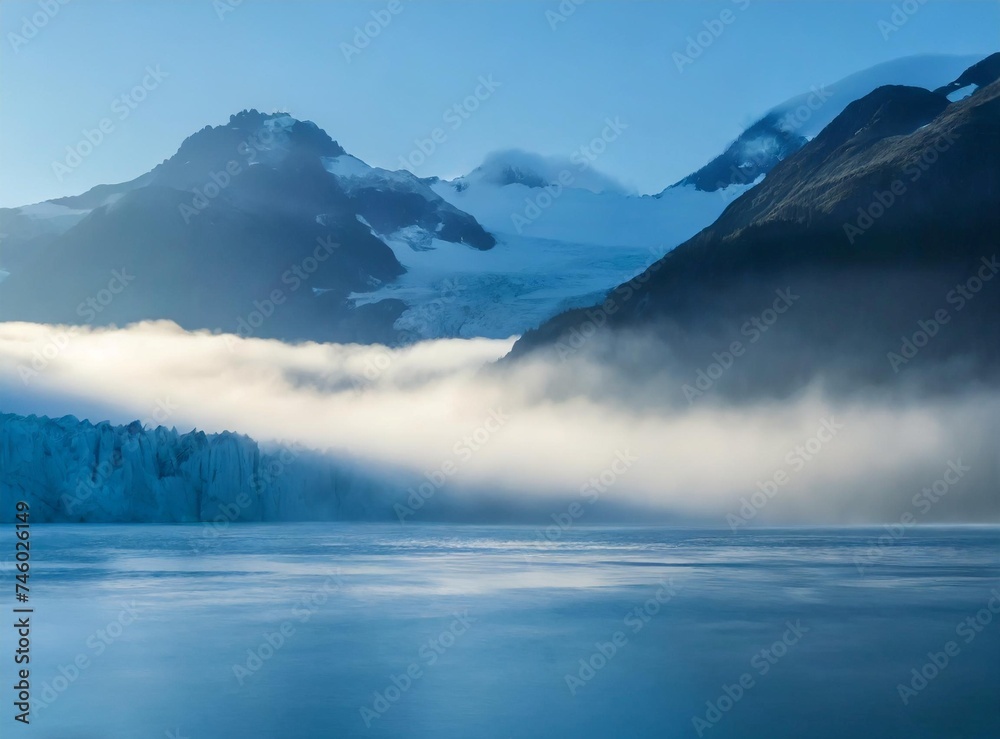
{"x":962,"y":93}
{"x":610,"y":219}
{"x":354,"y":174}
{"x":516,"y":166}
{"x":346,"y":166}
{"x":454,"y":291}
{"x":272,"y":142}
{"x":570,"y":256}
{"x":51,"y":210}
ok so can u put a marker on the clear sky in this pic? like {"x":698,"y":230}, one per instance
{"x":557,"y":80}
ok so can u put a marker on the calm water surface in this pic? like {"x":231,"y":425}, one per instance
{"x":350,"y":630}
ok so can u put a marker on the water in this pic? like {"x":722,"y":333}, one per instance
{"x":489,"y":623}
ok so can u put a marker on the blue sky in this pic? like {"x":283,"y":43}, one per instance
{"x":555,"y":85}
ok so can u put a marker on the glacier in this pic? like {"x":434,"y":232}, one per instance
{"x":71,"y":470}
{"x":569,"y":253}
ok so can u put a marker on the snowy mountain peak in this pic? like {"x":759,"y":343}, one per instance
{"x":398,"y":202}
{"x":354,"y":174}
{"x":250,"y":137}
{"x":787,"y":127}
{"x":519,"y":167}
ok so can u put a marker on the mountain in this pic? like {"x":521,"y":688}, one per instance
{"x":880,"y":237}
{"x":522,"y":195}
{"x":753,"y":154}
{"x":978,"y":75}
{"x":268,"y":227}
{"x":69,"y":470}
{"x":262,"y":226}
{"x":786,"y":128}
{"x":566,"y":234}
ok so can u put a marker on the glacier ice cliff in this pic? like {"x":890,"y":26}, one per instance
{"x":71,"y":470}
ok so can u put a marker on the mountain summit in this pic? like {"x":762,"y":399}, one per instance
{"x":262,"y":226}
{"x":880,"y":230}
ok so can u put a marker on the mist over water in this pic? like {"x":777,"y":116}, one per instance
{"x":527,"y":439}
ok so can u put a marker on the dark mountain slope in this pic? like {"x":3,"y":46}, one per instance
{"x":874,"y":225}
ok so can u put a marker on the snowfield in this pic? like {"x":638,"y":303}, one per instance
{"x":570,"y":256}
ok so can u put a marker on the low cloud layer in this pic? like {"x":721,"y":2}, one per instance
{"x":500,"y":166}
{"x":480,"y":435}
